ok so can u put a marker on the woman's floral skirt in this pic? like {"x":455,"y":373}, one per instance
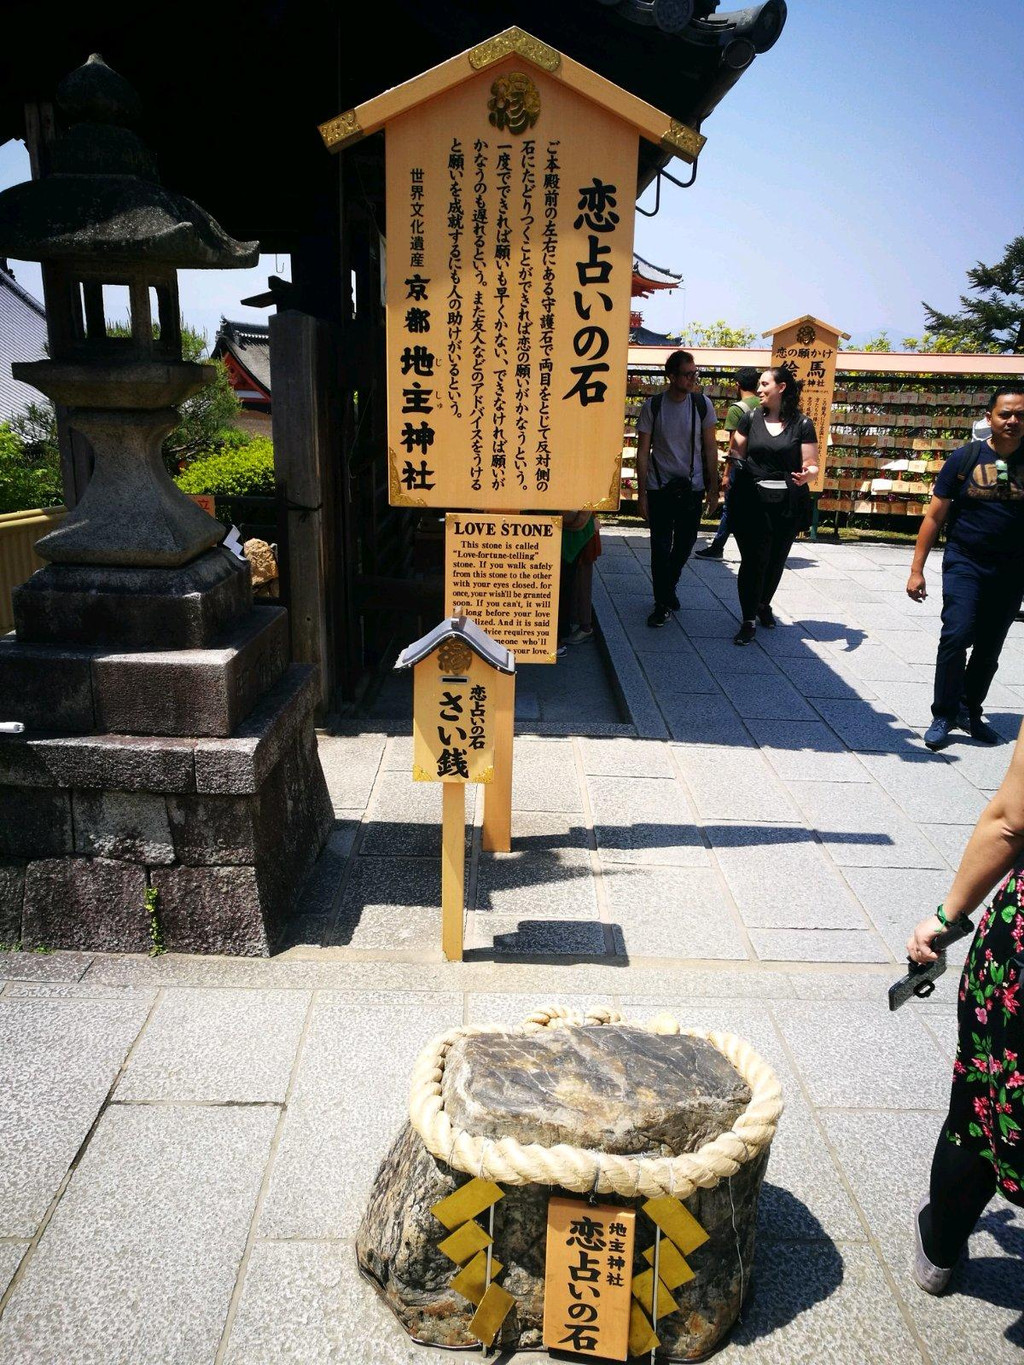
{"x":986,"y":1113}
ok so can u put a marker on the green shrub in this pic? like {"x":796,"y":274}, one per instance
{"x":247,"y":471}
{"x":27,"y":481}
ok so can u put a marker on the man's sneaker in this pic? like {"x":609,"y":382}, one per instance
{"x":980,"y":729}
{"x":659,"y":616}
{"x":745,"y":633}
{"x":674,"y":604}
{"x":711,"y":551}
{"x":933,"y":1279}
{"x":579,"y":636}
{"x":767,"y":617}
{"x":963,"y":719}
{"x":937,"y":734}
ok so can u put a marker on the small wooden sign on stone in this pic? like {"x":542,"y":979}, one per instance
{"x":588,"y":1278}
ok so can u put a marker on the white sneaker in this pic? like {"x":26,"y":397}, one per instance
{"x":933,"y":1279}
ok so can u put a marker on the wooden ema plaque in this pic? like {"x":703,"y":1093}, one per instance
{"x":456,"y":700}
{"x":503,"y":571}
{"x":808,"y":346}
{"x":588,"y":1278}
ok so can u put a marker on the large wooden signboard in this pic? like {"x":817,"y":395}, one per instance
{"x":511,"y":179}
{"x":809,"y":346}
{"x":503,"y":572}
{"x":588,"y":1275}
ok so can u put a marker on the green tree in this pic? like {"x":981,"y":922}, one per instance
{"x":205,"y":423}
{"x":947,"y":343}
{"x":992,"y":320}
{"x":879,"y":342}
{"x":28,"y":478}
{"x":207,"y":415}
{"x":716,"y":334}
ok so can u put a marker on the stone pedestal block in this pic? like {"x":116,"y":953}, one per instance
{"x":227,"y":830}
{"x":183,"y":692}
{"x":192,"y":692}
{"x":608,"y":1088}
{"x":134,"y":608}
{"x":12,"y":893}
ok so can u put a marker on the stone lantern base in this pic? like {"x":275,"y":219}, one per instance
{"x":225,"y":829}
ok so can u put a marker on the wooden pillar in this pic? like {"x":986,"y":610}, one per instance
{"x":496,"y":835}
{"x":301,"y":383}
{"x":453,"y":868}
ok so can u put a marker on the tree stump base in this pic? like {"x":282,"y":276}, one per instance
{"x":616,"y":1089}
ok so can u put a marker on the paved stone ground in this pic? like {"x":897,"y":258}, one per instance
{"x":743,"y":837}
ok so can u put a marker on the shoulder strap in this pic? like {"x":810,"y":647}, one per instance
{"x":656,"y":402}
{"x":968,"y":469}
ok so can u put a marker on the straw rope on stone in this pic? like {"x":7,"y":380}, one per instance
{"x":510,"y":1162}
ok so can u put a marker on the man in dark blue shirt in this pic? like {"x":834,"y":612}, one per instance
{"x":979,"y":496}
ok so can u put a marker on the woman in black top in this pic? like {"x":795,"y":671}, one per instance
{"x":774,"y":453}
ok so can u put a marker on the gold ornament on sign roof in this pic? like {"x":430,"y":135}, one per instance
{"x":806,"y":334}
{"x":514,"y":102}
{"x":342,"y":129}
{"x":522,"y":44}
{"x":454,"y":657}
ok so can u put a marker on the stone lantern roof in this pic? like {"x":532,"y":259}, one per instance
{"x":103,"y":199}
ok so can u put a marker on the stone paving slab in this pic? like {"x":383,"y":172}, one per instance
{"x":728,"y":785}
{"x":781,"y":878}
{"x":139,"y":1261}
{"x":672,"y":912}
{"x":58,"y":1062}
{"x":858,"y":1055}
{"x":641,"y":819}
{"x":11,"y":1254}
{"x":198,"y":1046}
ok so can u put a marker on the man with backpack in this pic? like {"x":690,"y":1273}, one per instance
{"x":677,"y":471}
{"x":979,"y":497}
{"x":746,"y":400}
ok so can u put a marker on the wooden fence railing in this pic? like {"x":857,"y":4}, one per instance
{"x":19,"y":532}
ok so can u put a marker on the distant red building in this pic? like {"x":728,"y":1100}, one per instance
{"x":244,"y":348}
{"x":647,"y":279}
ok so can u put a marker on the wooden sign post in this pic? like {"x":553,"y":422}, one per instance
{"x":511,"y":185}
{"x":463,"y":697}
{"x":808,"y":347}
{"x":502,"y":570}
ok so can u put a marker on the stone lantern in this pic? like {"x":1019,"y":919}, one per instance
{"x":99,"y":221}
{"x":169,"y":745}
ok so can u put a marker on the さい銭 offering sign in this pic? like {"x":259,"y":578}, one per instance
{"x":511,"y":179}
{"x":588,"y":1276}
{"x":455,"y":697}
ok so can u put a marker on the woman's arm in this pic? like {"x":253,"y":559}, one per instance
{"x":991,"y":851}
{"x":735,"y":457}
{"x":808,"y":462}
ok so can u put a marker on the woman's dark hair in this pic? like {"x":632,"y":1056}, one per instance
{"x":789,"y":405}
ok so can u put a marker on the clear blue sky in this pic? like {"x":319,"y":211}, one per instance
{"x":862,"y":165}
